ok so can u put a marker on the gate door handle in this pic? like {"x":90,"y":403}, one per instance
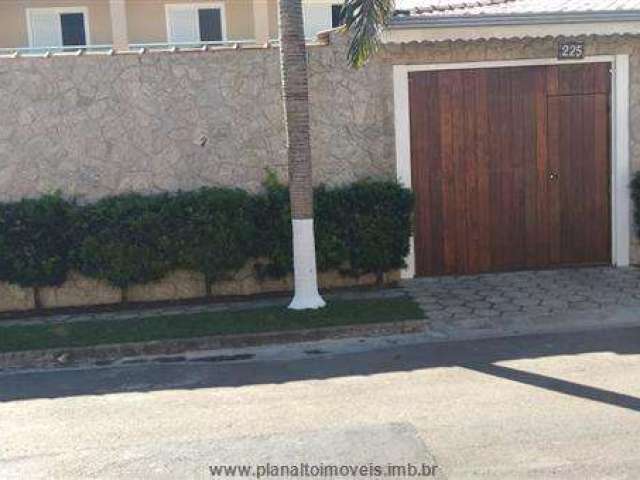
{"x":553,"y":176}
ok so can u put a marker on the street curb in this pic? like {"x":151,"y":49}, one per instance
{"x":106,"y":354}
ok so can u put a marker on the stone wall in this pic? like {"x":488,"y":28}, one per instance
{"x":93,"y":126}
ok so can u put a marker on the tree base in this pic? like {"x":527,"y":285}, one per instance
{"x":313,"y":302}
{"x":306,"y":295}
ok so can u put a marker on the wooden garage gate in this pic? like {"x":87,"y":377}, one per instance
{"x":511,"y":168}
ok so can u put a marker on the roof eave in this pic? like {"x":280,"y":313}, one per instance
{"x":513,"y":19}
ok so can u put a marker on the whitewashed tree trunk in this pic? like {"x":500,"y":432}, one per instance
{"x":304,"y":264}
{"x":295,"y":93}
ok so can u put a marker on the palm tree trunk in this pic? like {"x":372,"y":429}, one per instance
{"x":295,"y":92}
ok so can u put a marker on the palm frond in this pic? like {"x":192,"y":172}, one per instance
{"x":365,"y":20}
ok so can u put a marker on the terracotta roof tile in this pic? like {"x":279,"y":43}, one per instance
{"x":446,"y":8}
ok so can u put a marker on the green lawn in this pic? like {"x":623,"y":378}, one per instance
{"x":273,"y":319}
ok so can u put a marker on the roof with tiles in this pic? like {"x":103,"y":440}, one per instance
{"x":456,"y":8}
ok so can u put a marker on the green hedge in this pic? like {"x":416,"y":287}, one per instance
{"x":35,"y":240}
{"x":136,"y":239}
{"x":361,"y":228}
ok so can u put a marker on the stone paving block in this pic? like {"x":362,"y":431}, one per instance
{"x":509,"y":298}
{"x":460,"y":310}
{"x":554,"y":303}
{"x":438,"y":315}
{"x":573,"y":297}
{"x":536,"y":310}
{"x":474,"y":298}
{"x":517,"y":293}
{"x":508,"y":307}
{"x":478,"y":305}
{"x":463,"y":291}
{"x":423,"y":291}
{"x":430,"y":306}
{"x":453,"y":301}
{"x":527,"y":301}
{"x":462,"y":316}
{"x":583,"y":305}
{"x":426,"y":298}
{"x":488,"y":292}
{"x":486,"y":312}
{"x":498,"y":299}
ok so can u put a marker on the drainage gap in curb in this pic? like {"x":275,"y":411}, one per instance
{"x":170,"y":359}
{"x":134,"y":361}
{"x":224,"y":358}
{"x":103,"y":363}
{"x":315,"y":352}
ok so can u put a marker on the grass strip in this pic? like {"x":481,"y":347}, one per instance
{"x":273,"y":319}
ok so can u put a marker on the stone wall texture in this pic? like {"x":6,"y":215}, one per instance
{"x":93,"y":126}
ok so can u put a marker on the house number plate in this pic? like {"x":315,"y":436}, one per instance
{"x":570,"y":49}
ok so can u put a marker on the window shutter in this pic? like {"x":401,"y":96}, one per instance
{"x":46,"y":30}
{"x":182,"y":25}
{"x":317,"y":18}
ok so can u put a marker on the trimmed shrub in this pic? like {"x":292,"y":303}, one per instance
{"x":360,"y":228}
{"x":125,"y":240}
{"x":273,"y":232}
{"x":213,"y":231}
{"x":373,"y":224}
{"x":136,"y":239}
{"x":274,"y":236}
{"x":35,"y":240}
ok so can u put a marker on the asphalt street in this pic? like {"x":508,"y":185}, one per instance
{"x":548,"y":406}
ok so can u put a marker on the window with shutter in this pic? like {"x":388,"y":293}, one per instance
{"x":194,"y":23}
{"x":57,"y":27}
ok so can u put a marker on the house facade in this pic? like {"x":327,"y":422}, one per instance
{"x":514,"y":122}
{"x":519,"y":142}
{"x":38,"y":24}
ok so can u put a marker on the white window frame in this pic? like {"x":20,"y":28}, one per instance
{"x":196,"y":6}
{"x":59,"y":11}
{"x":620,"y":145}
{"x":308,"y":13}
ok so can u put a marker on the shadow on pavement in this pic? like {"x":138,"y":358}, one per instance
{"x":560,"y":386}
{"x":478,"y":355}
